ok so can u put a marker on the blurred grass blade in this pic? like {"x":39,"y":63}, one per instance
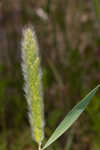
{"x":71,"y":117}
{"x":69,"y":140}
{"x":97,"y":8}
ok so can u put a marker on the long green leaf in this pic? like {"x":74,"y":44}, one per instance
{"x":71,"y":117}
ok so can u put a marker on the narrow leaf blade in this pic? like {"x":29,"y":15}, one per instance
{"x":71,"y":117}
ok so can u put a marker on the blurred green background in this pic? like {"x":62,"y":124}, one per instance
{"x":69,"y":39}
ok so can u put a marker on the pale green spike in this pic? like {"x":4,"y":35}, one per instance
{"x":32,"y":76}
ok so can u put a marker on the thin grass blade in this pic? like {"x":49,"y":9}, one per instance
{"x":71,"y":117}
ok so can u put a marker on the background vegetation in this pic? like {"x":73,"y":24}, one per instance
{"x":69,"y":39}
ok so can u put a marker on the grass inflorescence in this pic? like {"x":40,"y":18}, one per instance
{"x":32,"y":75}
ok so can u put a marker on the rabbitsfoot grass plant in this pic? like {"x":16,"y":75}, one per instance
{"x":33,"y":92}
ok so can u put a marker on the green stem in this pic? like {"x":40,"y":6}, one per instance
{"x":39,"y":146}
